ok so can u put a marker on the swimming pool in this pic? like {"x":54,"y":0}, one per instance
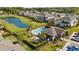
{"x":72,"y":48}
{"x":38,"y":30}
{"x":17,"y":22}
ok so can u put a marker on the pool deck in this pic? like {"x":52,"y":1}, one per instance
{"x":37,"y":31}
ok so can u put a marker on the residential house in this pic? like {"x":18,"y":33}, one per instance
{"x":67,"y":22}
{"x":1,"y":12}
{"x":61,"y":15}
{"x":56,"y":17}
{"x":71,"y":15}
{"x":54,"y":32}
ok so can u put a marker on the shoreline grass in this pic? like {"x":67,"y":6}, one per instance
{"x":13,"y":28}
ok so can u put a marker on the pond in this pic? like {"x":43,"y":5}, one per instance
{"x":17,"y":22}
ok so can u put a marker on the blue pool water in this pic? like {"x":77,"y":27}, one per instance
{"x":16,"y":22}
{"x":38,"y":30}
{"x":72,"y":48}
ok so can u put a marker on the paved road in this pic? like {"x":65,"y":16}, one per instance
{"x":69,"y":42}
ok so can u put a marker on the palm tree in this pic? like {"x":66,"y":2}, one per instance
{"x":28,"y":29}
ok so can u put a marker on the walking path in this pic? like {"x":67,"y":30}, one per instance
{"x":64,"y":48}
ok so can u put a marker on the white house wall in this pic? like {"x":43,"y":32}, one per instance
{"x":74,"y":24}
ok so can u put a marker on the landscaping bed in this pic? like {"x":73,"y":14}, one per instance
{"x":28,"y":40}
{"x":25,"y":46}
{"x":51,"y":46}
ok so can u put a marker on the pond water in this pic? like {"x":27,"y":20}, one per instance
{"x":17,"y":22}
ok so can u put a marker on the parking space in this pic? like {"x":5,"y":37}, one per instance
{"x":75,"y":37}
{"x":73,"y":43}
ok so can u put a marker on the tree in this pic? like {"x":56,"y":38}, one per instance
{"x":51,"y":23}
{"x":11,"y":10}
{"x":66,"y":33}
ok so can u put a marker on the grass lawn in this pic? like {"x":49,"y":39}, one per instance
{"x":12,"y":38}
{"x":25,"y":46}
{"x":29,"y":22}
{"x":73,"y":29}
{"x":13,"y":28}
{"x":26,"y":38}
{"x":51,"y":46}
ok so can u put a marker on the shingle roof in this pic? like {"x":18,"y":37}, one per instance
{"x":53,"y":31}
